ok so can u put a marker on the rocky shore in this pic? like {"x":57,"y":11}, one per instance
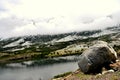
{"x":99,"y":62}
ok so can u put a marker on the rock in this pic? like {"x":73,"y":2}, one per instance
{"x":96,"y":57}
{"x":109,"y":71}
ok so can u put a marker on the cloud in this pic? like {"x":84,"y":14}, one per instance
{"x":57,"y":25}
{"x":30,"y":17}
{"x":2,"y":8}
{"x":48,"y":8}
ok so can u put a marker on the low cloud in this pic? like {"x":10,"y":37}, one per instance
{"x":31,"y":17}
{"x":20,"y":27}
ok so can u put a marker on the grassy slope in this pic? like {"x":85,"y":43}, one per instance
{"x":45,"y":52}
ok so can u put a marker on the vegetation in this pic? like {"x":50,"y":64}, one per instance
{"x":6,"y":58}
{"x":40,"y":49}
{"x":62,"y":75}
{"x":78,"y":75}
{"x":110,"y":76}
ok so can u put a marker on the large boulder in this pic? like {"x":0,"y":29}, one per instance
{"x":96,"y":57}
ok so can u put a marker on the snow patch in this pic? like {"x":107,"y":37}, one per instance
{"x":68,"y":38}
{"x":13,"y":44}
{"x":27,"y":43}
{"x":18,"y":49}
{"x":77,"y":47}
{"x":104,"y":32}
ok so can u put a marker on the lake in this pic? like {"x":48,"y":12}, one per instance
{"x":30,"y":70}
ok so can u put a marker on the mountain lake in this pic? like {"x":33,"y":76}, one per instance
{"x":34,"y":70}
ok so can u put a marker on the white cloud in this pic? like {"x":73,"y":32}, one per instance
{"x":48,"y":8}
{"x":27,"y":17}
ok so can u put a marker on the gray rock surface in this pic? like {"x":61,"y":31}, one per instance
{"x":96,"y":57}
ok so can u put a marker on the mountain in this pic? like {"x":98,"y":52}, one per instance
{"x":20,"y":43}
{"x":41,"y":46}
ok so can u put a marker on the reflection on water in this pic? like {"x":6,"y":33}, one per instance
{"x":19,"y":71}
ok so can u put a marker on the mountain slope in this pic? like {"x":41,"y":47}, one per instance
{"x":44,"y":46}
{"x":27,"y":41}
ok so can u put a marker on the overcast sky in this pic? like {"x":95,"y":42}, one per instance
{"x":29,"y":17}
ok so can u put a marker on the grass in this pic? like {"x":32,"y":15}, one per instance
{"x":62,"y":75}
{"x":18,"y":57}
{"x":108,"y":76}
{"x":30,"y":54}
{"x":82,"y":76}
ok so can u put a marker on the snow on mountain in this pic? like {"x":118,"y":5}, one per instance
{"x":103,"y":32}
{"x":13,"y":44}
{"x":74,"y":37}
{"x":76,"y":47}
{"x":77,"y":35}
{"x":68,"y":38}
{"x":27,"y":43}
{"x":20,"y":43}
{"x":17,"y":49}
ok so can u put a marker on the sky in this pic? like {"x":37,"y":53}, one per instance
{"x":31,"y":17}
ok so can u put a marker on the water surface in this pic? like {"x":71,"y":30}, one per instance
{"x":16,"y":71}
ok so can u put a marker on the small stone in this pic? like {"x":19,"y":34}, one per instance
{"x":109,"y":71}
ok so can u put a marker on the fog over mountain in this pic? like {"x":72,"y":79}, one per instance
{"x":30,"y":17}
